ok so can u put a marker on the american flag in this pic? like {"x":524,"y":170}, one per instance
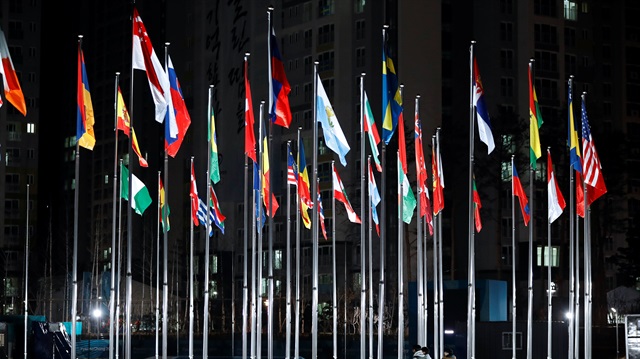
{"x":292,"y":168}
{"x":592,"y":169}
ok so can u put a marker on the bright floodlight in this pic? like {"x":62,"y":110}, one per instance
{"x":97,"y":313}
{"x":448,"y":331}
{"x":568,"y":315}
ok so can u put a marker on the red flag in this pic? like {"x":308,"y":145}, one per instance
{"x":579,"y":195}
{"x":194,"y":197}
{"x":519,"y":192}
{"x":476,"y":206}
{"x":123,"y":124}
{"x":341,"y":195}
{"x":321,"y":215}
{"x":438,"y":183}
{"x":12,"y":90}
{"x":249,"y":122}
{"x":555,"y":200}
{"x":402,"y":143}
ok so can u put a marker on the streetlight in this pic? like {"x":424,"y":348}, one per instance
{"x":615,"y":313}
{"x":96,"y":313}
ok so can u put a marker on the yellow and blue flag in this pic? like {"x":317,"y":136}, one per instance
{"x":391,"y":99}
{"x":84,"y":128}
{"x":574,"y":147}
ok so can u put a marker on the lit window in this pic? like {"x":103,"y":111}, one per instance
{"x":570,"y":10}
{"x":543,"y":256}
{"x":31,"y":128}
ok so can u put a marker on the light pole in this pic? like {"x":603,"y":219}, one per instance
{"x":615,"y":314}
{"x":96,"y":313}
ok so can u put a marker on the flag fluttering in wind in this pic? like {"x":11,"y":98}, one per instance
{"x":141,"y":197}
{"x":535,"y":122}
{"x":266,"y":185}
{"x":214,"y":168}
{"x":341,"y":195}
{"x":321,"y":215}
{"x":260,"y":216}
{"x":280,"y":111}
{"x":84,"y":128}
{"x":372,"y":131}
{"x":249,"y":122}
{"x":193,"y":193}
{"x":11,"y":85}
{"x":574,"y":146}
{"x":519,"y":192}
{"x":292,"y":167}
{"x":405,"y":198}
{"x":592,"y":171}
{"x":438,"y":179}
{"x":484,"y":122}
{"x":555,"y":199}
{"x":123,"y":124}
{"x":476,"y":206}
{"x":402,"y":144}
{"x":202,"y":216}
{"x":421,"y":170}
{"x":304,"y":195}
{"x":164,"y":210}
{"x":180,"y":114}
{"x":218,"y":217}
{"x":391,"y":99}
{"x":145,"y":58}
{"x":375,"y":199}
{"x":333,"y":135}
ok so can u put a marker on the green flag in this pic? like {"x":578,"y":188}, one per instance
{"x":407,"y":197}
{"x":141,"y":198}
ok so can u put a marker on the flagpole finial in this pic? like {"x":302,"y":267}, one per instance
{"x":80,"y":37}
{"x":117,"y":73}
{"x":571,"y":77}
{"x":363,"y":74}
{"x":211,"y":86}
{"x":473,"y":42}
{"x":532,"y":60}
{"x":167,"y":44}
{"x":316,"y":62}
{"x":299,"y":128}
{"x":385,"y":26}
{"x":417,"y":96}
{"x":247,"y":54}
{"x":270,"y":8}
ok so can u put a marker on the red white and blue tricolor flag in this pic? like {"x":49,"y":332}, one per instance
{"x":292,"y":167}
{"x":484,"y":123}
{"x":321,"y":215}
{"x":177,"y":112}
{"x":592,"y":169}
{"x":519,"y":192}
{"x":280,"y":111}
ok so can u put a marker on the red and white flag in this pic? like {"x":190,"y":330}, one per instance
{"x":193,"y":193}
{"x":341,"y":195}
{"x":555,"y":199}
{"x":591,"y":167}
{"x":12,"y":90}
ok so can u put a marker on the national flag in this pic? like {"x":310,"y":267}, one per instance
{"x":193,"y":193}
{"x":280,"y":111}
{"x":304,"y":193}
{"x":321,"y":215}
{"x":217,"y":216}
{"x":579,"y":195}
{"x":11,"y":85}
{"x":405,"y":198}
{"x":84,"y":130}
{"x":375,"y":199}
{"x":535,"y":122}
{"x":519,"y":192}
{"x":341,"y":195}
{"x":402,"y":143}
{"x":574,"y":146}
{"x":391,"y":99}
{"x":592,"y":174}
{"x":202,"y":216}
{"x":144,"y":58}
{"x":164,"y":210}
{"x":555,"y":199}
{"x":292,"y":167}
{"x":249,"y":122}
{"x":141,"y":197}
{"x":421,"y":170}
{"x":123,"y":124}
{"x":476,"y":206}
{"x":333,"y":135}
{"x":214,"y":168}
{"x":484,"y":122}
{"x":266,"y":185}
{"x":180,"y":114}
{"x":438,"y":179}
{"x":372,"y":130}
{"x":257,"y":185}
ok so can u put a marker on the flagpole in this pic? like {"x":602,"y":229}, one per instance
{"x":26,"y":277}
{"x":421,"y":337}
{"x":165,"y":239}
{"x":572,"y":235}
{"x":471,"y":260}
{"x":191,"y":282}
{"x":74,"y":295}
{"x":205,"y":317}
{"x":157,"y":268}
{"x":287,"y":347}
{"x":117,"y":314}
{"x":400,"y":266}
{"x":436,"y":271}
{"x":513,"y":263}
{"x":333,"y":266}
{"x":383,"y":230}
{"x":261,"y":230}
{"x":271,"y":282}
{"x":296,"y":345}
{"x":255,"y":208}
{"x":441,"y":273}
{"x":587,"y":266}
{"x":576,"y":339}
{"x":370,"y":249}
{"x":548,"y":258}
{"x":245,"y":250}
{"x":363,"y":266}
{"x":314,"y":225}
{"x":112,"y":289}
{"x":530,"y":268}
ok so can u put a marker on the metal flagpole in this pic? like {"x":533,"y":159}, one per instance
{"x":532,"y":171}
{"x":296,"y":345}
{"x":117,"y":314}
{"x":271,"y":282}
{"x":400,"y":266}
{"x":333,"y":265}
{"x":205,"y":317}
{"x":26,"y":277}
{"x":314,"y":225}
{"x":74,"y":295}
{"x":471,"y":260}
{"x":191,"y":283}
{"x":260,"y":263}
{"x":419,"y":269}
{"x":572,"y":236}
{"x":576,"y":339}
{"x":383,"y":229}
{"x":160,"y":217}
{"x":370,"y":278}
{"x":112,"y":299}
{"x":363,"y":266}
{"x":548,"y":258}
{"x":436,"y":271}
{"x":587,"y":269}
{"x":287,"y":347}
{"x":245,"y":250}
{"x":254,"y":302}
{"x":513,"y":263}
{"x":440,"y":272}
{"x":165,"y":242}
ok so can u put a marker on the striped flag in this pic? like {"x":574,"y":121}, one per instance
{"x":123,"y":124}
{"x":193,"y":193}
{"x":592,"y":171}
{"x":484,"y":123}
{"x":292,"y":167}
{"x":215,"y":213}
{"x":375,"y":199}
{"x":164,"y":210}
{"x":535,"y":122}
{"x":341,"y":195}
{"x":84,"y":130}
{"x":555,"y":199}
{"x":372,"y":132}
{"x":519,"y":192}
{"x":476,"y":206}
{"x":177,"y":112}
{"x":574,"y":146}
{"x":321,"y":215}
{"x":11,"y":85}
